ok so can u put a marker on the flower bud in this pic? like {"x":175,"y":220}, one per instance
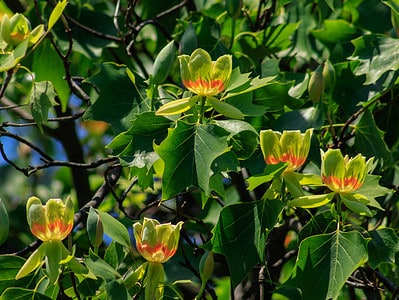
{"x":4,"y":223}
{"x":206,"y":266}
{"x":156,"y":242}
{"x":15,"y":30}
{"x":95,"y":228}
{"x":50,"y":222}
{"x":163,"y":63}
{"x":205,"y":77}
{"x":291,"y":146}
{"x":316,"y":85}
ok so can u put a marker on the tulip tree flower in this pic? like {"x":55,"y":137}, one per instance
{"x":205,"y":77}
{"x":342,"y":174}
{"x":291,"y":147}
{"x":157,"y":243}
{"x":349,"y":180}
{"x":16,"y":37}
{"x":50,"y":223}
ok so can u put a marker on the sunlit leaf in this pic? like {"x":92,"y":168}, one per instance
{"x":100,"y":268}
{"x":56,"y":13}
{"x":115,"y":229}
{"x":377,"y":54}
{"x":188,"y":153}
{"x":270,"y":172}
{"x":310,"y":201}
{"x":334,"y":31}
{"x":326,"y":261}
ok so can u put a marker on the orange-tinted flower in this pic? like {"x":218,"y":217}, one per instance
{"x":50,"y":222}
{"x":290,"y":146}
{"x":156,"y":242}
{"x":202,"y":76}
{"x":343,"y":174}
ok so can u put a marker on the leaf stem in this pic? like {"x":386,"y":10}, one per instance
{"x":201,"y":110}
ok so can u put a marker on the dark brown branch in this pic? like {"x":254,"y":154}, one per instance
{"x":112,"y":178}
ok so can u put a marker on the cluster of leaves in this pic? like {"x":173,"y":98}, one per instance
{"x":102,"y":82}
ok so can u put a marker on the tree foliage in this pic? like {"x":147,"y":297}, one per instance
{"x":255,"y":141}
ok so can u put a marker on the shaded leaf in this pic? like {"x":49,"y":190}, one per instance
{"x":9,"y":266}
{"x":13,"y":293}
{"x":114,"y":104}
{"x":45,"y":55}
{"x":116,"y":290}
{"x":247,"y":225}
{"x":41,"y":100}
{"x":383,"y":246}
{"x":369,"y":140}
{"x":323,"y":222}
{"x":243,"y":137}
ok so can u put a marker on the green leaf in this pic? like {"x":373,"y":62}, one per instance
{"x":114,"y":104}
{"x":311,"y":201}
{"x":115,"y":229}
{"x":323,"y":222}
{"x":10,"y":266}
{"x":88,"y":287}
{"x":32,"y":263}
{"x":100,"y":268}
{"x":335,"y":31}
{"x":275,"y":96}
{"x":271,"y":172}
{"x":225,"y":109}
{"x":175,"y":107}
{"x":135,"y":146}
{"x":325,"y":262}
{"x":372,"y":189}
{"x":377,"y":54}
{"x":54,"y":255}
{"x":369,"y":139}
{"x":247,"y":225}
{"x":188,"y":153}
{"x":116,"y":290}
{"x":383,"y":246}
{"x":163,"y":63}
{"x":41,"y":99}
{"x":43,"y":56}
{"x":301,"y":119}
{"x":355,"y":205}
{"x":56,"y":13}
{"x":114,"y":255}
{"x":14,"y":293}
{"x":243,"y":137}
